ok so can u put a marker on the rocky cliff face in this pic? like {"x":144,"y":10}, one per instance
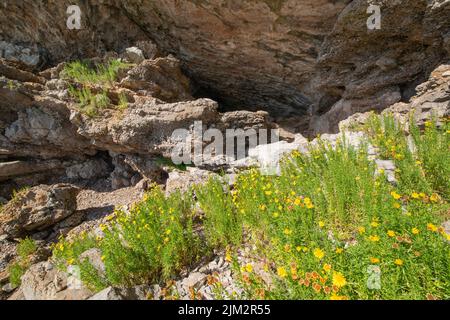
{"x":291,"y":57}
{"x":303,"y":66}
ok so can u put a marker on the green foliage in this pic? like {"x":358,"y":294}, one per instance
{"x":16,"y":271}
{"x":123,"y":102}
{"x":152,"y":243}
{"x":102,"y":74}
{"x":90,"y":103}
{"x":168,"y":163}
{"x":321,"y":229}
{"x":221,"y":222}
{"x":25,"y":249}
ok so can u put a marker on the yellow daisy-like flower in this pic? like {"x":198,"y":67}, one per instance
{"x":374,"y":260}
{"x":326,"y":267}
{"x":415,"y":195}
{"x":395,"y":195}
{"x":339,"y":250}
{"x":434,"y":198}
{"x":336,"y":297}
{"x":228,"y":257}
{"x":248,"y":268}
{"x":268,"y":193}
{"x":361,"y":230}
{"x":398,"y":262}
{"x":415,"y":231}
{"x":397,"y":205}
{"x":432,"y":227}
{"x":276,"y":214}
{"x":281,"y":272}
{"x":287,"y":231}
{"x":374,"y":238}
{"x":339,"y":279}
{"x":374,"y":224}
{"x":391,"y":233}
{"x":297,"y":201}
{"x":321,"y":224}
{"x":318,"y":253}
{"x":298,"y":248}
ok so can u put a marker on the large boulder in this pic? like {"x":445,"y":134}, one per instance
{"x":37,"y":209}
{"x":43,"y":281}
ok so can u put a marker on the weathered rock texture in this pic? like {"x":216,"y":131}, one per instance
{"x":287,"y":56}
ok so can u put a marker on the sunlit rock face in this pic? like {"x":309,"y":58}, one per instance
{"x":311,"y":63}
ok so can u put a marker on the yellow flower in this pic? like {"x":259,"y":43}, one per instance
{"x":287,"y":248}
{"x":287,"y":231}
{"x":374,"y":224}
{"x":418,"y":162}
{"x":326,"y":267}
{"x":398,"y":262}
{"x":391,"y":233}
{"x":281,"y":272}
{"x":434,"y":197}
{"x":339,"y":279}
{"x":228,"y":257}
{"x":168,"y":231}
{"x":308,"y":203}
{"x":415,"y":231}
{"x":395,"y":195}
{"x":321,"y":224}
{"x":297,"y":201}
{"x":397,"y":205}
{"x":275,"y":214}
{"x":70,"y":261}
{"x":298,"y":248}
{"x":103,"y":258}
{"x":374,"y":238}
{"x":336,"y":297}
{"x":268,"y":193}
{"x":339,"y":250}
{"x":248,"y":268}
{"x":318,"y":253}
{"x":374,"y":260}
{"x":361,"y":230}
{"x":432,"y":227}
{"x":415,"y":195}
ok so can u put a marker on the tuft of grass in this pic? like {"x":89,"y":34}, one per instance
{"x":123,"y":102}
{"x":25,"y":249}
{"x":90,"y":103}
{"x":102,"y":74}
{"x":16,"y":271}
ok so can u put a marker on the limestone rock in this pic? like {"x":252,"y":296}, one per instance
{"x":160,"y":78}
{"x":37,"y":209}
{"x":182,"y":181}
{"x":134,"y":55}
{"x":43,"y":281}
